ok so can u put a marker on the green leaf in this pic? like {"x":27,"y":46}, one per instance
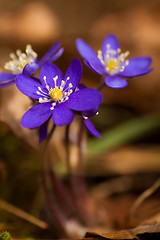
{"x":5,"y":236}
{"x":124,"y":133}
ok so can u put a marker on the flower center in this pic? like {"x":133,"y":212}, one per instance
{"x":114,"y":61}
{"x":56,"y":94}
{"x":112,"y":64}
{"x":19,"y":60}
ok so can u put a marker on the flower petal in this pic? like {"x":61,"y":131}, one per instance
{"x":43,"y":132}
{"x":115,"y":82}
{"x":111,"y":40}
{"x":56,"y":55}
{"x":137,"y":66}
{"x":30,"y":68}
{"x":84,"y":99}
{"x":88,"y":65}
{"x":51,"y":51}
{"x":29,"y":86}
{"x":74,"y":73}
{"x":90,"y":56}
{"x":62,"y":115}
{"x":91,"y":112}
{"x":36,"y":116}
{"x":50,"y":71}
{"x":7,"y":83}
{"x":4,"y":76}
{"x":6,"y":79}
{"x":91,"y":129}
{"x":81,"y":86}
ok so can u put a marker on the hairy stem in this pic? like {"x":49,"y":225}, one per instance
{"x":62,"y":195}
{"x":56,"y":214}
{"x":71,"y":177}
{"x":102,"y":84}
{"x":81,"y":180}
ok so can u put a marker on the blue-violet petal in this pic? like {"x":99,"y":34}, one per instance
{"x":50,"y":53}
{"x":73,"y":74}
{"x":43,"y":132}
{"x":7,"y":83}
{"x":84,"y":99}
{"x":137,"y":66}
{"x":48,"y":72}
{"x":91,"y":129}
{"x":90,"y":56}
{"x":111,"y":40}
{"x":62,"y":115}
{"x":4,"y":76}
{"x":36,"y":116}
{"x":29,"y":86}
{"x":115,"y":82}
{"x":30,"y":68}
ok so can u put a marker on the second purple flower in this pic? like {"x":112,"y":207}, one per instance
{"x":112,"y":62}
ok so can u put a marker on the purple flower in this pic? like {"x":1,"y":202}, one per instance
{"x":111,"y":62}
{"x":27,"y":63}
{"x":56,"y":97}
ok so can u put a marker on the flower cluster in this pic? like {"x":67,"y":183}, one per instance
{"x":60,"y":98}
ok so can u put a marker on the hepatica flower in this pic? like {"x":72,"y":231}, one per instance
{"x":57,"y":97}
{"x":27,"y":63}
{"x":112,"y":62}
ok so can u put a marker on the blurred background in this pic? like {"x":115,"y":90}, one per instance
{"x":129,"y":118}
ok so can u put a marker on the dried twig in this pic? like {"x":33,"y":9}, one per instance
{"x":143,"y":196}
{"x":22,"y":214}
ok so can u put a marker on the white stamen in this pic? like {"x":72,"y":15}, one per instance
{"x":70,"y":85}
{"x":55,"y":80}
{"x":42,"y":92}
{"x":45,"y":80}
{"x":44,"y":100}
{"x":114,"y":61}
{"x":19,"y":60}
{"x":53,"y":105}
{"x":85,"y":117}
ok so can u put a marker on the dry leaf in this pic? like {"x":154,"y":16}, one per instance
{"x":13,"y":105}
{"x":145,"y":232}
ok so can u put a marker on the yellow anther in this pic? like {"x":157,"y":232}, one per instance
{"x":56,"y":94}
{"x":22,"y":65}
{"x":112,"y":64}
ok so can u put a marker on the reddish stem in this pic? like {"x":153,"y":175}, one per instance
{"x":57,"y":215}
{"x":83,"y":199}
{"x":63,"y":198}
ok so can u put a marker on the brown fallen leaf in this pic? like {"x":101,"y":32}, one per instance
{"x":145,"y":232}
{"x":13,"y":105}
